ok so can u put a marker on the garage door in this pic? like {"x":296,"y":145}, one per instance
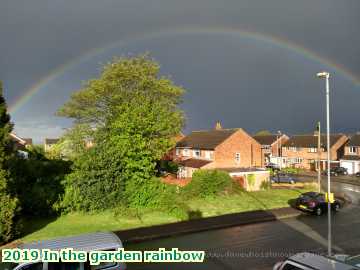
{"x":349,"y":165}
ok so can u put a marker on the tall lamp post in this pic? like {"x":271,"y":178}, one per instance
{"x":326,"y":76}
{"x":279,"y":151}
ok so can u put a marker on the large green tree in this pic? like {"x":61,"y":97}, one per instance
{"x":132,"y":114}
{"x":8,"y":205}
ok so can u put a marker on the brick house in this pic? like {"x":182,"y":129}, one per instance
{"x":301,"y":151}
{"x":271,"y":145}
{"x":351,"y":158}
{"x":217,"y":149}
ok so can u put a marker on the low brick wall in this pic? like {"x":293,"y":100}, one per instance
{"x":172,"y":180}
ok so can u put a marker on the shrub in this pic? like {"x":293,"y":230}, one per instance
{"x":37,"y":184}
{"x":206,"y":183}
{"x":9,"y":212}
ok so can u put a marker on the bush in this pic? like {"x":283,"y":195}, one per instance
{"x":206,"y":183}
{"x":37,"y":184}
{"x":9,"y":213}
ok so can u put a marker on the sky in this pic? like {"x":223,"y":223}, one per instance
{"x":246,"y":63}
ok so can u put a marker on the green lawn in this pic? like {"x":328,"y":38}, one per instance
{"x":78,"y":223}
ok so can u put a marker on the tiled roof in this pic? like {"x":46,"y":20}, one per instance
{"x":266,"y":139}
{"x":354,"y":140}
{"x":194,"y":163}
{"x":309,"y":141}
{"x":28,"y":141}
{"x":207,"y":139}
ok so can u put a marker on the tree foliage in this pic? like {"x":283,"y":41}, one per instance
{"x":263,"y":132}
{"x":131,"y":113}
{"x":8,"y":204}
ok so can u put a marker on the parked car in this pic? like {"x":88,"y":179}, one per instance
{"x":315,"y":202}
{"x":281,"y":177}
{"x":310,"y":261}
{"x":357,"y":174}
{"x":102,"y":241}
{"x":337,"y":171}
{"x":273,"y":166}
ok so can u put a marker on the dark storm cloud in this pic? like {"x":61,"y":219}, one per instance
{"x":241,"y":82}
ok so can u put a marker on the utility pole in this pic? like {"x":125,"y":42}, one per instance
{"x":319,"y":156}
{"x":326,"y":75}
{"x":280,"y":152}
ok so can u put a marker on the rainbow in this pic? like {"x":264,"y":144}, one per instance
{"x":257,"y":36}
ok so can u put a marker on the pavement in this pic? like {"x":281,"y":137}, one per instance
{"x":261,"y":245}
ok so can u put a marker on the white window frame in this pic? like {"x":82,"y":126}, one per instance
{"x":186,"y":152}
{"x":177,"y":152}
{"x":352,"y":149}
{"x":197,"y":153}
{"x":312,"y":150}
{"x":208,"y":155}
{"x":237,"y":158}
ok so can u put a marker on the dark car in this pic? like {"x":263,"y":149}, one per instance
{"x":272,"y":166}
{"x":337,"y":171}
{"x":315,"y":202}
{"x":357,"y":174}
{"x":283,"y":178}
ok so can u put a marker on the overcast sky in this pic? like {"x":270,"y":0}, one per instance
{"x":247,"y":63}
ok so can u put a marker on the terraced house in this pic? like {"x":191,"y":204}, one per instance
{"x":271,"y":145}
{"x":351,"y":158}
{"x":229,"y":149}
{"x":301,"y":151}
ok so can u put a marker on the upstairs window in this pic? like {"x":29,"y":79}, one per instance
{"x":186,"y":153}
{"x":313,"y":150}
{"x":208,"y":154}
{"x":196,"y":153}
{"x":352,"y":150}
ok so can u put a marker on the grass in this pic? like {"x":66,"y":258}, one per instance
{"x":78,"y":223}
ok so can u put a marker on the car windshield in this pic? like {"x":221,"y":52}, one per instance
{"x":7,"y":266}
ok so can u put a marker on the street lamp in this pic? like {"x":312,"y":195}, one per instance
{"x":326,"y":76}
{"x":279,"y":151}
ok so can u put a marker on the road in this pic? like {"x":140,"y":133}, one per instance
{"x":259,"y":246}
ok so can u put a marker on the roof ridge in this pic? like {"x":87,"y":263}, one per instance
{"x":208,"y":130}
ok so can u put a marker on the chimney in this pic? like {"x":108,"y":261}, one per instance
{"x":218,"y":126}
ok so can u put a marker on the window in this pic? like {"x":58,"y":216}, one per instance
{"x":103,"y":265}
{"x":196,"y":153}
{"x":177,"y":151}
{"x":186,"y":153}
{"x":289,"y":266}
{"x":237,"y":157}
{"x":298,"y":160}
{"x":65,"y":266}
{"x":312,"y":150}
{"x":33,"y":266}
{"x":208,"y":154}
{"x":352,"y":150}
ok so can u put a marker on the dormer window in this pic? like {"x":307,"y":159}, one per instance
{"x":352,"y":150}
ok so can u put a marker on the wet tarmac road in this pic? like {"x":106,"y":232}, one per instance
{"x":260,"y":246}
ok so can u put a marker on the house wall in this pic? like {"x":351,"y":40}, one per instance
{"x":256,"y":183}
{"x":239,"y":142}
{"x":336,"y":152}
{"x":204,"y":154}
{"x":347,"y":151}
{"x":274,"y":146}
